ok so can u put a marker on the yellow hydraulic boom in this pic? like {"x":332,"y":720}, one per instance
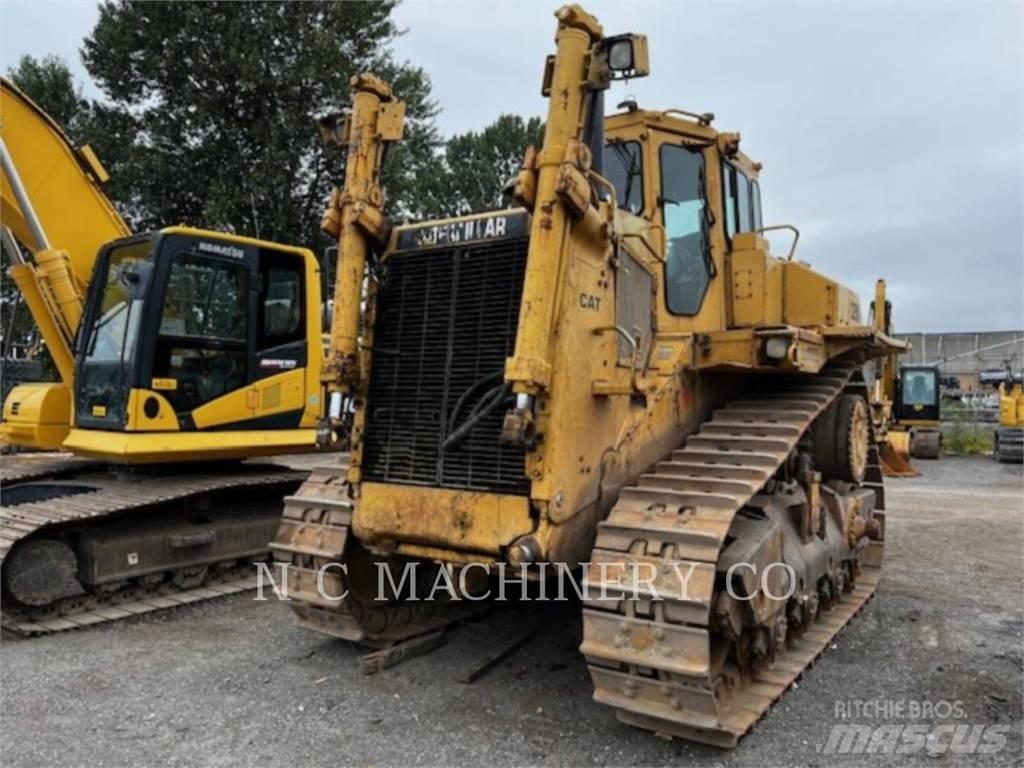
{"x":53,"y":204}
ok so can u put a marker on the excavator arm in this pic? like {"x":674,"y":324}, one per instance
{"x":52,"y":204}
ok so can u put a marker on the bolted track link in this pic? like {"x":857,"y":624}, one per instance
{"x":124,"y":497}
{"x":228,"y":583}
{"x":654,"y":660}
{"x":314,"y":533}
{"x":21,"y":467}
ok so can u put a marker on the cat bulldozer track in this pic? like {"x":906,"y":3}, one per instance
{"x":313,"y":539}
{"x":82,"y":542}
{"x":682,"y":662}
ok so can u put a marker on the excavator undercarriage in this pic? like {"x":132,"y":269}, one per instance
{"x":83,"y":542}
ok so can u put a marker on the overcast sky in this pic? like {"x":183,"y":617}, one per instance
{"x":891,"y":133}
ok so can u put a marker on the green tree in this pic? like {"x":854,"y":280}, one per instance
{"x":50,"y":84}
{"x":475,"y":166}
{"x":212,"y":107}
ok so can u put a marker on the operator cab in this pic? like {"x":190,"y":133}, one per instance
{"x":917,"y":396}
{"x":186,"y":330}
{"x":673,"y":170}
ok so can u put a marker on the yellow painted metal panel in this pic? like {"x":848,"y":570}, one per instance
{"x":164,"y":447}
{"x":163,"y":421}
{"x":75,"y":213}
{"x":441,"y":517}
{"x":37,"y":416}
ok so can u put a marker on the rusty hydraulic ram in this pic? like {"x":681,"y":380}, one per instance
{"x":557,"y":186}
{"x":355,"y":217}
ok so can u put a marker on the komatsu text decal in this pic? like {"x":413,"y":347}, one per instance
{"x":510,"y":224}
{"x":222,"y":249}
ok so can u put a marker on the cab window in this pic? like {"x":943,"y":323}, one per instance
{"x":281,"y":306}
{"x":742,"y":198}
{"x":684,"y":212}
{"x":204,"y":299}
{"x":919,"y":387}
{"x":202,"y":343}
{"x":742,"y":203}
{"x":623,"y":167}
{"x":729,"y":193}
{"x":755,"y":204}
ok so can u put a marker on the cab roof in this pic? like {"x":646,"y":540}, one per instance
{"x":690,"y":125}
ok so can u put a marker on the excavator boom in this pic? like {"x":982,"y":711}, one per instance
{"x":63,"y":182}
{"x":52,"y":203}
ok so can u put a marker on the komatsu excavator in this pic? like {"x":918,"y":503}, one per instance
{"x":179,"y":352}
{"x":617,"y":374}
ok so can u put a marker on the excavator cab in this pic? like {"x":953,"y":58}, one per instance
{"x":918,"y":395}
{"x":201,"y":336}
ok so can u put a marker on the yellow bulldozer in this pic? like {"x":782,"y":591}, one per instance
{"x":179,"y":352}
{"x":613,"y":374}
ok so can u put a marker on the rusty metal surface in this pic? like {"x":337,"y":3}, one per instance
{"x":662,"y":664}
{"x":314,"y":531}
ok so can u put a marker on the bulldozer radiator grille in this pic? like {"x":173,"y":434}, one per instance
{"x":446,"y":320}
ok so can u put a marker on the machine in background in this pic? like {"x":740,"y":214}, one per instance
{"x":917,"y":410}
{"x":180,"y":353}
{"x":1008,"y":445}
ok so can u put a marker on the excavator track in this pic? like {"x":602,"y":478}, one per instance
{"x":51,"y":505}
{"x":659,"y":661}
{"x":20,"y":467}
{"x":314,"y":533}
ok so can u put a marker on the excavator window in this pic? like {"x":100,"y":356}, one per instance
{"x":919,"y":387}
{"x":281,"y":315}
{"x":202,"y":343}
{"x":743,"y":223}
{"x":110,"y":338}
{"x":684,"y":208}
{"x":755,"y":204}
{"x":205,"y":299}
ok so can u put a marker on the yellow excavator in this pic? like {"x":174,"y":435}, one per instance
{"x":615,"y":374}
{"x":179,"y":352}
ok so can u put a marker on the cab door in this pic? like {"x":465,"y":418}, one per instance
{"x":692,"y":298}
{"x":201,"y":359}
{"x":280,"y":360}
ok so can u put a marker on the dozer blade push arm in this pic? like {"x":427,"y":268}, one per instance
{"x":354,"y":216}
{"x":561,"y":197}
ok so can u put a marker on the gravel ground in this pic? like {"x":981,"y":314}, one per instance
{"x":234,"y":682}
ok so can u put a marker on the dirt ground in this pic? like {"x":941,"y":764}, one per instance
{"x":235,"y":682}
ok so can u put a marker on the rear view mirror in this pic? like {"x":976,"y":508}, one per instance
{"x":135,"y":277}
